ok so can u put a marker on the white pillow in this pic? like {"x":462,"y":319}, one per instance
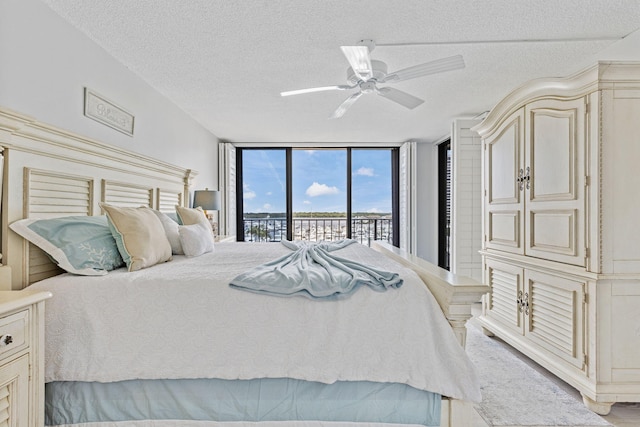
{"x":189,"y":216}
{"x":196,"y":239}
{"x":171,"y":230}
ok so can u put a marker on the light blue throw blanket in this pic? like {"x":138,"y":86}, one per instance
{"x":313,"y":271}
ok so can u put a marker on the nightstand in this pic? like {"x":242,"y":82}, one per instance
{"x":5,"y":278}
{"x":22,"y":358}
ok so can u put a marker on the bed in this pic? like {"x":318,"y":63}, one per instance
{"x":157,"y":343}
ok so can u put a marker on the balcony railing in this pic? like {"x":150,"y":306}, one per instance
{"x":363,"y":230}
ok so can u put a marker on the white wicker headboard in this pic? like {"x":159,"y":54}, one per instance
{"x":49,"y":172}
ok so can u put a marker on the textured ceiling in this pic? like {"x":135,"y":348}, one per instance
{"x":226,"y":62}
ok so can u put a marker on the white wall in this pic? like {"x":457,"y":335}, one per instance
{"x":427,"y":202}
{"x":45,"y":64}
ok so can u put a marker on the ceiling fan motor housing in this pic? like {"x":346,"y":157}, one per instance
{"x":379,"y":71}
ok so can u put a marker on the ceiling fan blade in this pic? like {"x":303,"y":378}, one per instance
{"x":316,"y":89}
{"x":441,"y":65}
{"x":359,"y":60}
{"x":345,"y":105}
{"x":402,"y":98}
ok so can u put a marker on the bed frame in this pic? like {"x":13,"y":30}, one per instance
{"x":50,"y":172}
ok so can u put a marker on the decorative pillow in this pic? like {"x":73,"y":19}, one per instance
{"x":188,"y":216}
{"x":171,"y":231}
{"x":196,"y":239}
{"x":139,"y":235}
{"x":80,"y":245}
{"x":173,"y":216}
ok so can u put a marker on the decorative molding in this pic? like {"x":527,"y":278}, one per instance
{"x":102,"y":110}
{"x":23,"y":133}
{"x":603,"y":75}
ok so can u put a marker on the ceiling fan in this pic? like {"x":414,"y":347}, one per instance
{"x":365,"y":73}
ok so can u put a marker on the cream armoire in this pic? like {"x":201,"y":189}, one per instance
{"x":561,"y":228}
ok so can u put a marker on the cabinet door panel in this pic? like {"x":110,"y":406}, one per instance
{"x":14,"y":393}
{"x":502,"y":164}
{"x":555,"y":159}
{"x":554,"y":230}
{"x":505,"y":281}
{"x":552,"y":141}
{"x":556,"y":315}
{"x":504,"y":228}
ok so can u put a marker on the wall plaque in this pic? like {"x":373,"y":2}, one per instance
{"x":106,"y":112}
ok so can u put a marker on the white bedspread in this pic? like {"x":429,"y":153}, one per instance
{"x":182,"y":320}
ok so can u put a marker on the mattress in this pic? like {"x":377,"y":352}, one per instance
{"x":181,"y":320}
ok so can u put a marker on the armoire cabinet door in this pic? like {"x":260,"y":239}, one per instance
{"x":503,"y":156}
{"x":506,"y":298}
{"x":556,"y":315}
{"x":554,"y":164}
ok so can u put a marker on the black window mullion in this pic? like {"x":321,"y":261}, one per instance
{"x":395,"y":196}
{"x":289,"y":194}
{"x":239,"y":201}
{"x":349,"y":174}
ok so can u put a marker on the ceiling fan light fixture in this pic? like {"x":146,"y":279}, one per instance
{"x":359,"y":59}
{"x":378,"y":72}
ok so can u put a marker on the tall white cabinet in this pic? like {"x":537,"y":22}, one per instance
{"x":561,"y":228}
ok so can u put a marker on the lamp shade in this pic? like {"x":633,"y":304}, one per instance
{"x":209,"y":200}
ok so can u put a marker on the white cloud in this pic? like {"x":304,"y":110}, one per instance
{"x":365,"y":171}
{"x":306,"y":202}
{"x":269,"y":193}
{"x":267,"y":206}
{"x":247,"y":193}
{"x":316,"y":189}
{"x":374,"y":210}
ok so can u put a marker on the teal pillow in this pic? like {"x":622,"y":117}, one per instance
{"x":80,"y":245}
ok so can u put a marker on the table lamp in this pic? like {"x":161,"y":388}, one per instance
{"x":208,"y":200}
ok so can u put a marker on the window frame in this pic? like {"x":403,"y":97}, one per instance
{"x":395,"y":180}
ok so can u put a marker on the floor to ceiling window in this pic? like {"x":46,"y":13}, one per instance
{"x":371,"y":195}
{"x":263,"y":203}
{"x":319,"y":194}
{"x":316,"y":194}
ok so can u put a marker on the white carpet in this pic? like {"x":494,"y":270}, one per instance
{"x":515,"y":394}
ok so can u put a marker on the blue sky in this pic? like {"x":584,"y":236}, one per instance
{"x":319,"y":180}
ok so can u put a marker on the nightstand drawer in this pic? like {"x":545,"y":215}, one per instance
{"x":14,"y":332}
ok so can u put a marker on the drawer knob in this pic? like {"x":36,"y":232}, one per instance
{"x":6,"y":339}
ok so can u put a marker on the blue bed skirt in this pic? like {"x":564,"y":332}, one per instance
{"x":279,"y":399}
